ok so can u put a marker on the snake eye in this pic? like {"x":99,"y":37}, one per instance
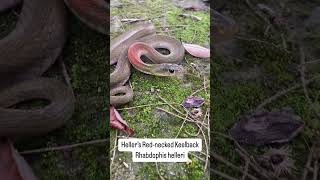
{"x":171,"y":71}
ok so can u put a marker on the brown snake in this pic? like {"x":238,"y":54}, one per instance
{"x":25,"y":54}
{"x":165,"y":65}
{"x":28,"y":51}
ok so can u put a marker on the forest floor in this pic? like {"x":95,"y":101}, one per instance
{"x":150,"y":92}
{"x":263,"y":60}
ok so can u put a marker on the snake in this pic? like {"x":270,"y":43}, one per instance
{"x":27,"y":52}
{"x":141,"y":40}
{"x":128,"y":48}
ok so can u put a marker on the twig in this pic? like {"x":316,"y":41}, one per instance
{"x":114,"y":150}
{"x":182,"y":126}
{"x":208,"y":122}
{"x":177,"y":110}
{"x":204,"y":85}
{"x":286,"y":91}
{"x":303,"y":80}
{"x":246,"y":169}
{"x":228,"y":163}
{"x":207,"y":147}
{"x":201,"y":89}
{"x":131,"y":20}
{"x":251,"y":6}
{"x":315,"y":170}
{"x":176,"y":115}
{"x":311,"y":62}
{"x":142,"y":106}
{"x":306,"y":170}
{"x":197,"y":157}
{"x":42,"y":150}
{"x":245,"y":154}
{"x":260,"y":41}
{"x":158,"y":171}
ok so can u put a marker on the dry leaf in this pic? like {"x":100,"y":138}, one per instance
{"x":117,"y":122}
{"x":197,"y":51}
{"x":12,"y":165}
{"x":193,"y":102}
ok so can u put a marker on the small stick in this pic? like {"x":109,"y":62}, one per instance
{"x":158,"y":171}
{"x":182,"y":126}
{"x":208,"y":115}
{"x":207,"y":148}
{"x":142,"y":106}
{"x":260,"y":41}
{"x":176,"y":115}
{"x":246,"y":169}
{"x":244,"y":153}
{"x":42,"y":150}
{"x":251,"y":6}
{"x":204,"y":85}
{"x":114,"y":150}
{"x":303,"y":80}
{"x":306,"y":170}
{"x":201,"y":89}
{"x":132,"y":20}
{"x":228,"y":163}
{"x":197,"y":157}
{"x":312,"y":62}
{"x":286,"y":91}
{"x":315,"y":170}
{"x":174,"y":108}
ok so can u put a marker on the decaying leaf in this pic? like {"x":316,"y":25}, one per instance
{"x":12,"y":165}
{"x":263,"y":127}
{"x":193,"y":102}
{"x":117,"y":122}
{"x":196,"y":50}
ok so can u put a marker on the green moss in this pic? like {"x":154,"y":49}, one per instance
{"x":194,"y":170}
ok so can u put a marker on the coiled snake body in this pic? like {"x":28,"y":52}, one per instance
{"x":25,"y":54}
{"x":141,"y":40}
{"x":28,"y":51}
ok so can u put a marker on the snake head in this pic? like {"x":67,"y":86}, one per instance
{"x":167,"y":69}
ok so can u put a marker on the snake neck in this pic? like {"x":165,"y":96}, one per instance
{"x":135,"y":52}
